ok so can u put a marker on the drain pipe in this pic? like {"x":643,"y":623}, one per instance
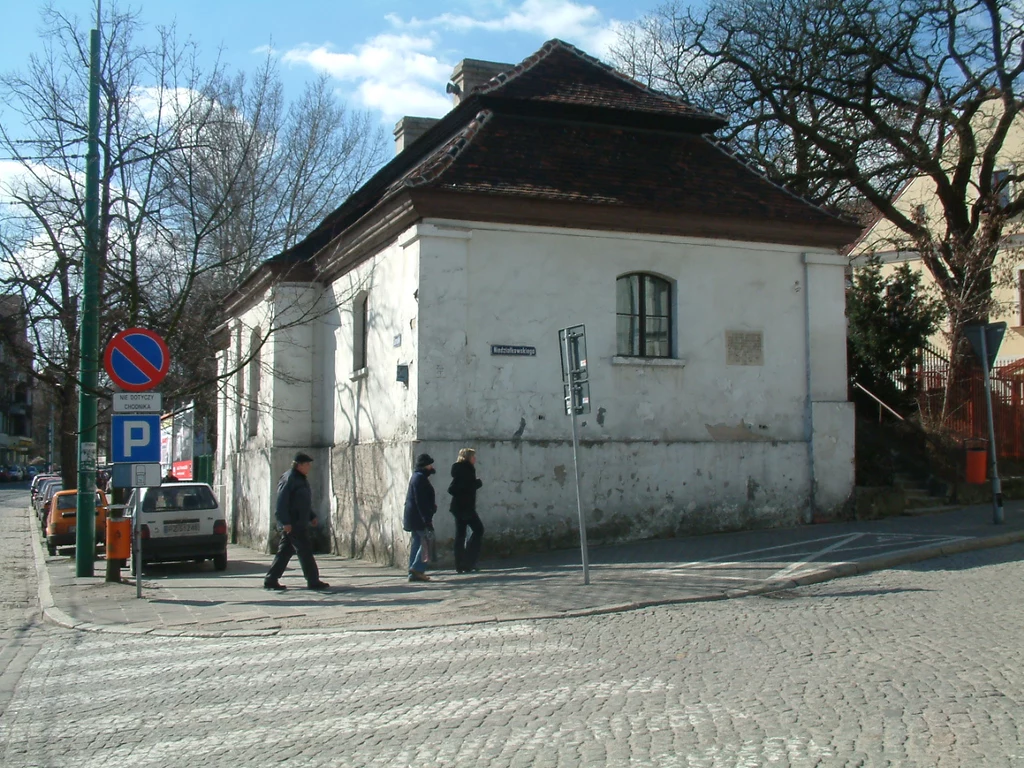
{"x":809,"y":410}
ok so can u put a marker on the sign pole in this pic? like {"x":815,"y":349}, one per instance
{"x":997,"y":490}
{"x":137,"y":551}
{"x":570,"y":368}
{"x":85,"y":533}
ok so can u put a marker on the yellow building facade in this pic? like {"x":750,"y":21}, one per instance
{"x":918,"y":198}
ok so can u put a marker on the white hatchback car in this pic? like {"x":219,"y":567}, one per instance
{"x":180,"y":521}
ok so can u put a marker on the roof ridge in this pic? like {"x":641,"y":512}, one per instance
{"x":554,"y":44}
{"x":735,"y":155}
{"x":441,"y":159}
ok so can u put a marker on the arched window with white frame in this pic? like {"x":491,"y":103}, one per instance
{"x":643,"y":310}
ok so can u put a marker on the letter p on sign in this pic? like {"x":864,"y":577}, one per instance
{"x":135,"y":438}
{"x":136,"y":435}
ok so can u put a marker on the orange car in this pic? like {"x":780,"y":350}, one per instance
{"x":60,"y":522}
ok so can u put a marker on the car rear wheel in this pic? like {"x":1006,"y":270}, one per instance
{"x":220,"y":562}
{"x":52,"y":550}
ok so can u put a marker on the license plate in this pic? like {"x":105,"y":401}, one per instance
{"x":173,"y":528}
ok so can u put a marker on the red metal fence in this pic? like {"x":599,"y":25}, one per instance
{"x":958,"y":407}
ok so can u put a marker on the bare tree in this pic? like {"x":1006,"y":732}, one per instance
{"x":203,"y":175}
{"x":847,"y":100}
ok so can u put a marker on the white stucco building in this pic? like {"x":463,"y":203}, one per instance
{"x":557,"y":193}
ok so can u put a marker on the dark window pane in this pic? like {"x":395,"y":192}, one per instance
{"x":656,"y":299}
{"x":627,"y":295}
{"x":627,"y":333}
{"x":657,"y":337}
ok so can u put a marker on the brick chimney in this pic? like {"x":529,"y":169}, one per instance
{"x":408,"y":129}
{"x":469,"y":73}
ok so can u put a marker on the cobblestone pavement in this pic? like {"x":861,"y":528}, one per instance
{"x":917,"y":666}
{"x":21,"y":628}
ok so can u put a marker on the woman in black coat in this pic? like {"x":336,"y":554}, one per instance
{"x":463,"y":491}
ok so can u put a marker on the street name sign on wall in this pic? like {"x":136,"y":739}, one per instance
{"x":135,"y":439}
{"x":513,"y":350}
{"x":137,"y":402}
{"x":136,"y":359}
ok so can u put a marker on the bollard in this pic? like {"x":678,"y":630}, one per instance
{"x":119,"y":537}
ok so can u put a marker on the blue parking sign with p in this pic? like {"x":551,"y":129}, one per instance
{"x":135,"y":438}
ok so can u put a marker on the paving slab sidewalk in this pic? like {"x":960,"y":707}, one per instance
{"x":190,"y":599}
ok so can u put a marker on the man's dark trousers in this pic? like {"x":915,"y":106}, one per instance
{"x":296,"y":542}
{"x":466,"y":555}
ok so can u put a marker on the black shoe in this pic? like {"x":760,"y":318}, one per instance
{"x":274,"y":586}
{"x":320,"y":586}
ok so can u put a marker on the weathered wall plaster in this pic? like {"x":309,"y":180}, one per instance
{"x":685,"y":445}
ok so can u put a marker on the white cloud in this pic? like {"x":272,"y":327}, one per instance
{"x":15,"y":176}
{"x":396,"y":74}
{"x":167,"y":103}
{"x":399,"y":73}
{"x":582,"y":25}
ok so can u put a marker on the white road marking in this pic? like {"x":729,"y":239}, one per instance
{"x":785,"y":572}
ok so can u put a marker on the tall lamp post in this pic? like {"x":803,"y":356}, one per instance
{"x":85,"y":534}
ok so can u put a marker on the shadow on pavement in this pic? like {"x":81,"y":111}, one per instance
{"x":1011,"y":553}
{"x":823,"y":591}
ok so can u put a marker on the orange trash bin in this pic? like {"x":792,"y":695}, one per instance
{"x":119,"y":538}
{"x":977,"y":465}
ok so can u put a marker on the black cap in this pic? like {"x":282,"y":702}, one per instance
{"x":302,"y":458}
{"x":423,"y":460}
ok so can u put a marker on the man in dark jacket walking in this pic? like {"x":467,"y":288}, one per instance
{"x":419,"y":515}
{"x":295,"y":515}
{"x":463,"y":490}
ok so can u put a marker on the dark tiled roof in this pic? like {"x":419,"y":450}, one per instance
{"x":501,"y":154}
{"x":560,"y":73}
{"x":563,"y":126}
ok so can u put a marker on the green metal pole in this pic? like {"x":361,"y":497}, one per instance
{"x":85,"y":536}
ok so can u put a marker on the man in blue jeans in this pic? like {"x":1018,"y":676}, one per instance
{"x":419,"y":515}
{"x":295,"y":515}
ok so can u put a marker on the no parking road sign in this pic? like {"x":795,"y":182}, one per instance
{"x":137,"y":359}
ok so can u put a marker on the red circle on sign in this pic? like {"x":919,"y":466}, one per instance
{"x":151,"y":371}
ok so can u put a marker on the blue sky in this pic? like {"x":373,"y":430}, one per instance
{"x":389,"y":56}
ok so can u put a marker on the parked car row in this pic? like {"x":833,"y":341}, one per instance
{"x":16,"y":472}
{"x":180,"y":521}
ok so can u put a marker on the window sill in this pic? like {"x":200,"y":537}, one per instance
{"x":362,"y":373}
{"x":653,"y":362}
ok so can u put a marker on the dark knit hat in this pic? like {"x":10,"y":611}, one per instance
{"x":423,"y":460}
{"x":302,"y":458}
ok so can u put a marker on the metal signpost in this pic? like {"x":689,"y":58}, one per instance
{"x":985,"y":340}
{"x":572,"y":343}
{"x":136,"y":360}
{"x":85,"y":532}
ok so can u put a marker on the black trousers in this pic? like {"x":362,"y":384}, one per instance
{"x":467,"y":549}
{"x":291,"y":543}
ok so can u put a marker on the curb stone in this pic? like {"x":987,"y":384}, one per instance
{"x":828,"y":573}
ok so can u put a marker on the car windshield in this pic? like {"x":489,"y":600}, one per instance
{"x":178,"y":497}
{"x":70,"y":501}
